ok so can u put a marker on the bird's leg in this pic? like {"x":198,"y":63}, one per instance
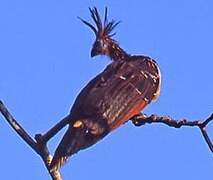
{"x":139,"y":119}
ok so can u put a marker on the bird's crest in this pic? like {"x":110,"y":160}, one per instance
{"x":102,"y":29}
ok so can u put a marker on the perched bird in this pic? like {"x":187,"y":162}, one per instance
{"x":120,"y":92}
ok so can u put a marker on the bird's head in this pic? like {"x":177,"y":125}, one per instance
{"x":103,"y":32}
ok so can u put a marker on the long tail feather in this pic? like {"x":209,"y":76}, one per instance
{"x":70,"y":144}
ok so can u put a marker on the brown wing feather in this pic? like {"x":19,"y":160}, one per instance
{"x":121,"y":88}
{"x":121,"y":91}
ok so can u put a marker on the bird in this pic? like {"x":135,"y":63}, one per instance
{"x":120,"y":92}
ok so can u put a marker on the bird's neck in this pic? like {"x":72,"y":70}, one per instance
{"x":116,"y":53}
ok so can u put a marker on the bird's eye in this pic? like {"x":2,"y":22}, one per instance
{"x":102,"y":44}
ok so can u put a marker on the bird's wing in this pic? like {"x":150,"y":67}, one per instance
{"x":121,"y":91}
{"x":140,"y":85}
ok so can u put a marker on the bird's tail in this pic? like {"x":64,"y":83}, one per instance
{"x":70,"y":144}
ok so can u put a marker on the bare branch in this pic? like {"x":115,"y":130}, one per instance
{"x":142,"y":119}
{"x":39,"y":146}
{"x":55,"y":129}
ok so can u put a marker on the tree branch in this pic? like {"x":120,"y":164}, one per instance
{"x":142,"y":119}
{"x":55,"y":129}
{"x":38,"y":145}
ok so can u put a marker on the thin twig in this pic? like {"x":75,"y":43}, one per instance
{"x":55,"y":129}
{"x":38,"y":145}
{"x":142,"y":119}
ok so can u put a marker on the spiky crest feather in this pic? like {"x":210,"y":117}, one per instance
{"x":102,"y":29}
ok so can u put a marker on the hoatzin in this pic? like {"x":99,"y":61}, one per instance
{"x":113,"y":97}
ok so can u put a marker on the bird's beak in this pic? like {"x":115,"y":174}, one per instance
{"x":94,"y":52}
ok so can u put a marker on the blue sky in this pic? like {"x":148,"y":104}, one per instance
{"x":45,"y":62}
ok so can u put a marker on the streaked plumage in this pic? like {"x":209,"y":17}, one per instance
{"x":113,"y":97}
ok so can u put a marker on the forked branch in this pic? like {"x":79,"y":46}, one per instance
{"x":142,"y":119}
{"x":37,"y":144}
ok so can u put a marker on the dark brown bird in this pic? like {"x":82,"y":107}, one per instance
{"x":113,"y":97}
